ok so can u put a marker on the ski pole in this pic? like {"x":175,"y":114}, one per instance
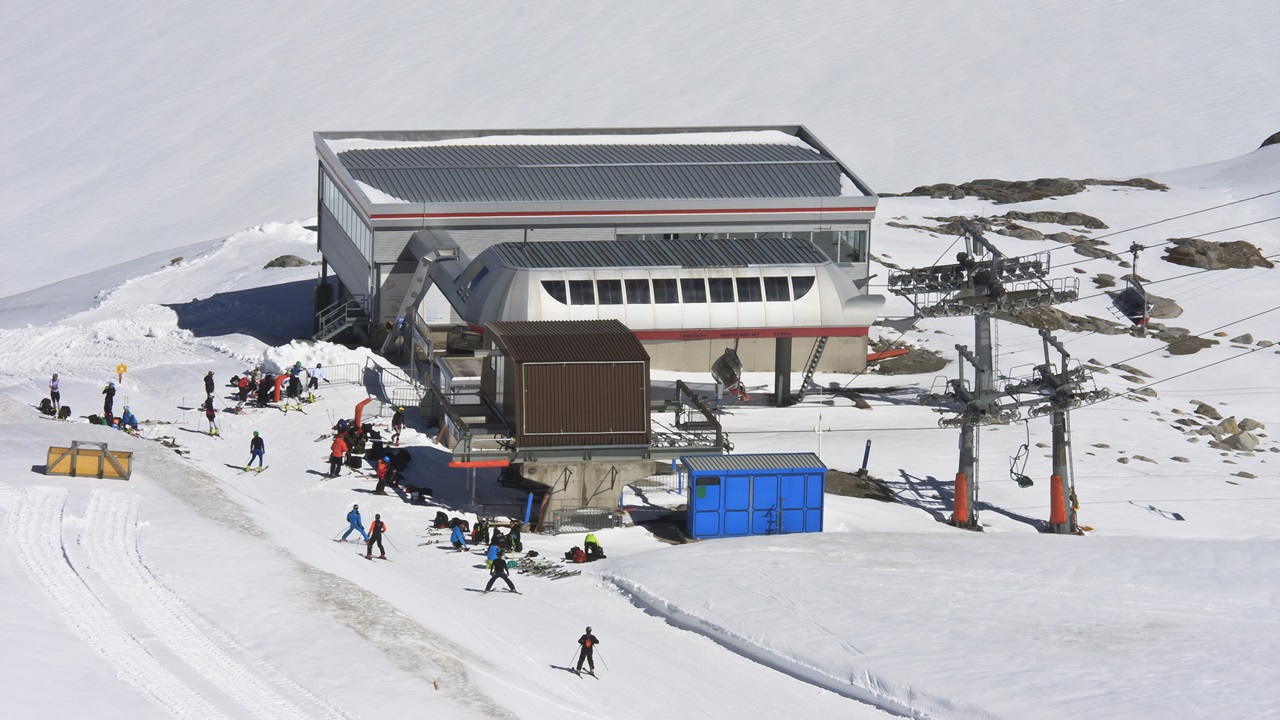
{"x":393,"y":542}
{"x":573,"y":659}
{"x":602,"y":662}
{"x":335,"y":535}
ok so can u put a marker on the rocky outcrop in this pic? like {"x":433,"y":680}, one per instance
{"x":1003,"y":192}
{"x":1076,"y":219}
{"x":1209,"y":255}
{"x":287,"y":261}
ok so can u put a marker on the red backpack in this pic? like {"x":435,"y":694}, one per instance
{"x":578,"y":555}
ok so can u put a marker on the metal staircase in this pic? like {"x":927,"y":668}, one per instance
{"x":342,"y":315}
{"x":814,"y":358}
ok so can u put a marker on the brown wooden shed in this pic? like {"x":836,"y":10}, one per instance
{"x":569,"y":383}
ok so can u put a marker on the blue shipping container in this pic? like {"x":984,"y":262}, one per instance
{"x":763,"y":494}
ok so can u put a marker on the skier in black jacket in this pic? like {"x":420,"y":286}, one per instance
{"x":376,"y":528}
{"x":208,"y":383}
{"x":499,"y":570}
{"x":588,"y":643}
{"x":108,"y":402}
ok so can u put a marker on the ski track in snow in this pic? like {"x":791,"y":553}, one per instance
{"x":110,"y":539}
{"x":35,"y":536}
{"x":109,"y":542}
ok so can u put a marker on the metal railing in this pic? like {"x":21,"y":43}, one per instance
{"x":586,"y":519}
{"x":344,"y":374}
{"x":342,"y":315}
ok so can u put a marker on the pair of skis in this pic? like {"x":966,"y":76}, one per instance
{"x":258,"y":469}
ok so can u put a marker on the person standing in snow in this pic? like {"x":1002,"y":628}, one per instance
{"x":499,"y":570}
{"x":458,"y":538}
{"x":54,"y":395}
{"x":208,"y":383}
{"x":211,"y":412}
{"x":109,"y":401}
{"x":588,"y":643}
{"x":491,"y":555}
{"x":316,"y":375}
{"x":257,"y":449}
{"x":376,"y":528}
{"x":356,"y":524}
{"x":337,"y":453}
{"x":128,"y":421}
{"x":397,"y":424}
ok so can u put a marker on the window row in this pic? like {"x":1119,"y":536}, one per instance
{"x":666,"y":291}
{"x":347,"y":216}
{"x":842,"y":246}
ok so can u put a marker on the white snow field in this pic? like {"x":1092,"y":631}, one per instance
{"x":158,"y":157}
{"x":128,"y":128}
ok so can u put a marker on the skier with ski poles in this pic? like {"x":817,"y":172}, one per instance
{"x":499,"y":570}
{"x":376,"y":528}
{"x":588,"y":642}
{"x":257,"y":449}
{"x":354,"y":523}
{"x":211,"y":412}
{"x":397,"y":424}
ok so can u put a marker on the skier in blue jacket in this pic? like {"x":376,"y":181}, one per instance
{"x":458,"y":538}
{"x":128,"y":421}
{"x":353,"y":518}
{"x":491,"y":555}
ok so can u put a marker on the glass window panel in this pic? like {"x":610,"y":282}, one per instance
{"x":555,"y":288}
{"x":582,"y":292}
{"x":637,"y":292}
{"x":693,"y":290}
{"x":664,"y":291}
{"x":720,"y":290}
{"x":801,"y":285}
{"x":609,"y":292}
{"x":748,"y":289}
{"x":777,"y":289}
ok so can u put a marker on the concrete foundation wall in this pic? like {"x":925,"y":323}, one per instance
{"x":842,"y":354}
{"x":577,"y":484}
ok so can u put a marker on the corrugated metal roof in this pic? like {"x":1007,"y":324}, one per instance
{"x":759,"y":461}
{"x":659,"y":253}
{"x":567,"y":341}
{"x":563,"y":173}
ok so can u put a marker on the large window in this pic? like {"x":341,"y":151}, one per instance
{"x":555,"y":288}
{"x":748,"y":289}
{"x":582,"y":292}
{"x":609,"y":292}
{"x":693,"y":290}
{"x":777,"y":289}
{"x":847,"y":244}
{"x":637,"y":292}
{"x":842,"y":246}
{"x":664,"y":291}
{"x":349,"y":219}
{"x":801,"y":286}
{"x":720,"y":290}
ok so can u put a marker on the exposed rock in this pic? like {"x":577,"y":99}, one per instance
{"x":1273,"y":140}
{"x":1141,"y":183}
{"x":1245,"y":339}
{"x":1144,"y":458}
{"x":1265,"y":343}
{"x":1144,"y":392}
{"x":1189,"y":422}
{"x":1103,"y":280}
{"x":1246,"y":475}
{"x":1020,"y":232}
{"x":1104,"y":446}
{"x":1206,"y":410}
{"x":1245,"y":441}
{"x":1130,"y":369}
{"x":919,"y":360}
{"x":1122,"y":460}
{"x":1079,"y":271}
{"x":1229,"y":425}
{"x":1134,"y":379}
{"x":287,"y":261}
{"x":1209,"y":255}
{"x":176,"y":260}
{"x":1077,"y":219}
{"x":1189,"y":345}
{"x":1249,"y":425}
{"x":1179,"y":458}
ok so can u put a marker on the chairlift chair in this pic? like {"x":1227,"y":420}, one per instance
{"x":727,"y":370}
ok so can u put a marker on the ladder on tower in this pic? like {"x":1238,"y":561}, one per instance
{"x":814,"y":358}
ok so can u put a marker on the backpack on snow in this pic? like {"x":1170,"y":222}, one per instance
{"x":64,"y":413}
{"x":46,"y":407}
{"x":441,"y":521}
{"x":575,"y":555}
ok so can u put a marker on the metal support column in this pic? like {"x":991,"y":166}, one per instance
{"x":782,"y":371}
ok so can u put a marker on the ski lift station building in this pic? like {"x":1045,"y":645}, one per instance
{"x":694,"y":238}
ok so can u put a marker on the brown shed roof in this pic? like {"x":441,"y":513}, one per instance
{"x":567,"y":341}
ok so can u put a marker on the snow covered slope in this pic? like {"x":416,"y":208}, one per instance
{"x":133,"y":128}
